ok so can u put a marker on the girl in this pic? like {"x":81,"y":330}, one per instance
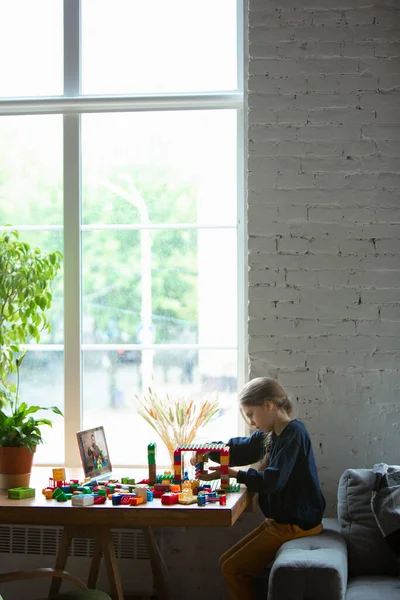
{"x":287,"y":483}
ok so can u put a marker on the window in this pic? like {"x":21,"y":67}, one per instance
{"x":121,"y":145}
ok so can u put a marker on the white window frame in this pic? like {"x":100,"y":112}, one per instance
{"x":71,"y":105}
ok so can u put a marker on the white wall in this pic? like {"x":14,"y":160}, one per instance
{"x":324,"y":221}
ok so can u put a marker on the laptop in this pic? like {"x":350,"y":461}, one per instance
{"x":94,"y":454}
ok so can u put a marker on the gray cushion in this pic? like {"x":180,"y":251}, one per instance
{"x":368,"y":551}
{"x":312,"y":567}
{"x":330,"y":524}
{"x":374,"y":588}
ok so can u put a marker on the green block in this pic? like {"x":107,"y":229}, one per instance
{"x":60,"y":496}
{"x":21,"y":492}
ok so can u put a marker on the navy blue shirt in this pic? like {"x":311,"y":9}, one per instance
{"x":288,"y":490}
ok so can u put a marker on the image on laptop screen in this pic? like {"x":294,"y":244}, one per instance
{"x":94,"y":453}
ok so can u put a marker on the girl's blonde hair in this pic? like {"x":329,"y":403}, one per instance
{"x":258,"y":391}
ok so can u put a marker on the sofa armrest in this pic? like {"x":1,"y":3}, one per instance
{"x":312,"y":567}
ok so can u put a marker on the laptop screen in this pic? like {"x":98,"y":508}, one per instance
{"x":94,"y":453}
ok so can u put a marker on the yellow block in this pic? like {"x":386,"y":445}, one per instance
{"x":59,"y":475}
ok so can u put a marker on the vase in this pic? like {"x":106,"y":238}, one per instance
{"x":15,"y":467}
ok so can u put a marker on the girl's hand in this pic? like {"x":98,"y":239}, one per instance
{"x":215,"y":473}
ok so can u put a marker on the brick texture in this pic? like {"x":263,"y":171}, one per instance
{"x":324,"y":221}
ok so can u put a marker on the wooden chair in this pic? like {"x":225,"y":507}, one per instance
{"x":83,"y":593}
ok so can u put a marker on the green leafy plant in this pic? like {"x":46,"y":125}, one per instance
{"x":17,"y":425}
{"x":176,"y":420}
{"x":25,"y":296}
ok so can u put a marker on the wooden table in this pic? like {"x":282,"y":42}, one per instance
{"x":97,"y":521}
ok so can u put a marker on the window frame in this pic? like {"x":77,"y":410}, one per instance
{"x":71,"y":105}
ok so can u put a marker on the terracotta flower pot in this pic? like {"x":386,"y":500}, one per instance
{"x":15,"y":467}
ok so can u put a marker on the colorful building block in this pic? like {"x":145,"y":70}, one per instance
{"x":82,"y":500}
{"x":169,"y":498}
{"x":21,"y":492}
{"x":141,"y":492}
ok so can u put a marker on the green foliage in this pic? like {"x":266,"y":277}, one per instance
{"x":25,"y":295}
{"x":17,"y":425}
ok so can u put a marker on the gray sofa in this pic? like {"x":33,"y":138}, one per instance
{"x":349,"y":560}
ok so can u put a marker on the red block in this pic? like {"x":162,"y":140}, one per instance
{"x":99,"y":499}
{"x":169,"y":498}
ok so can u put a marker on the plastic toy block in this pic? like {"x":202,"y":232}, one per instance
{"x":125,"y":499}
{"x":201,"y":500}
{"x":136,"y":500}
{"x":48,"y":493}
{"x":21,"y":492}
{"x":128,"y":480}
{"x":222,"y":500}
{"x":116,"y":499}
{"x":150,"y":496}
{"x":224,"y":460}
{"x":212,"y":498}
{"x":141,"y":492}
{"x":164,"y":487}
{"x":186,"y":499}
{"x":98,"y":499}
{"x":169,"y":498}
{"x":59,"y":474}
{"x":82,"y":500}
{"x":234,"y":487}
{"x":61,"y":497}
{"x":175,"y":488}
{"x":158,"y":493}
{"x":58,"y":493}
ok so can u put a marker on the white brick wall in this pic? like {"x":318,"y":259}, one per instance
{"x":324,"y":221}
{"x":324,"y":225}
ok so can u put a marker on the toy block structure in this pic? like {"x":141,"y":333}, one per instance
{"x":202,"y":450}
{"x":58,"y":480}
{"x":151,"y":459}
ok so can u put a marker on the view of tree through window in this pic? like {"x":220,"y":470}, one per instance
{"x":158,"y":203}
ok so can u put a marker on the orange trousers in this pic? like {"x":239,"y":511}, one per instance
{"x":255,"y":552}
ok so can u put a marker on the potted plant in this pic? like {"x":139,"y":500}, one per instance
{"x":25,"y":297}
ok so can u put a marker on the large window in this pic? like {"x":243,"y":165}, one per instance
{"x":121,"y":145}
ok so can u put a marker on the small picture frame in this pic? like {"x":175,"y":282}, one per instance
{"x":94,"y":452}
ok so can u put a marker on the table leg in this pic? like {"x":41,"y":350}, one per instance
{"x":158,"y":566}
{"x":61,"y":562}
{"x":111,"y":565}
{"x":95,"y":564}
